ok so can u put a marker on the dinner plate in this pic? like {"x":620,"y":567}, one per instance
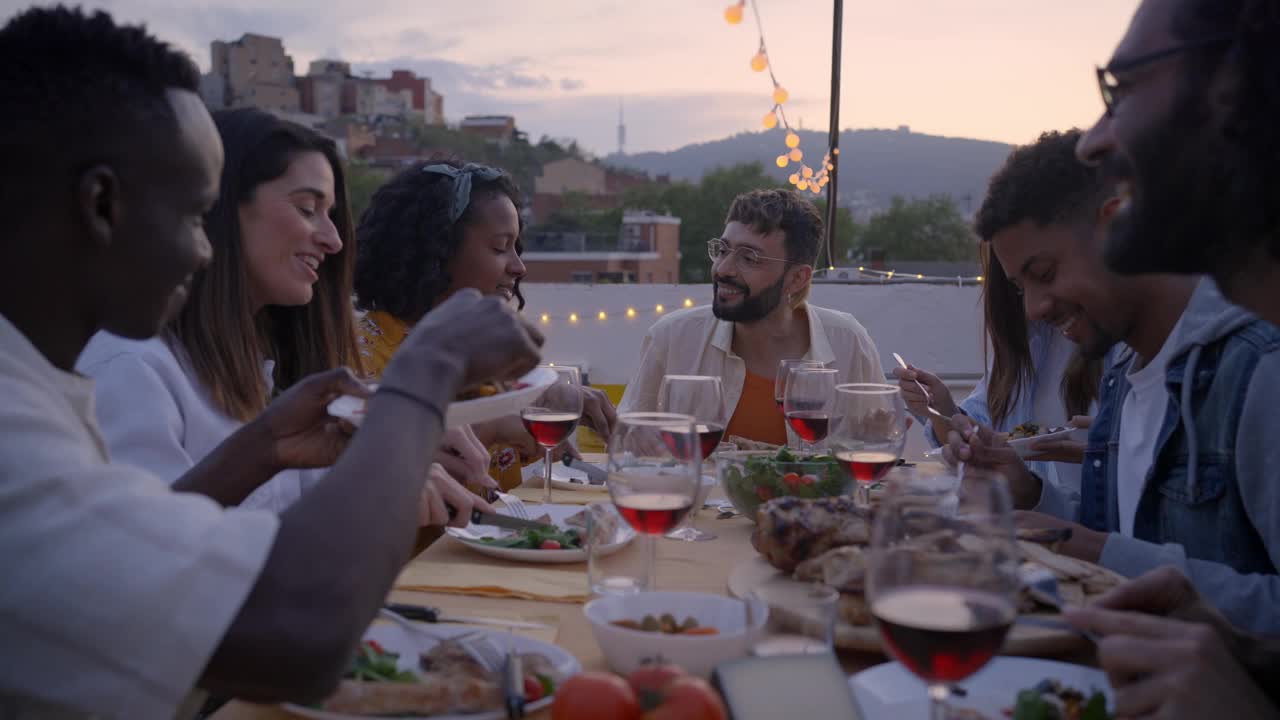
{"x":465,"y":412}
{"x":562,"y":478}
{"x":1022,"y":446}
{"x":890,"y":691}
{"x":470,"y":535}
{"x":408,"y":644}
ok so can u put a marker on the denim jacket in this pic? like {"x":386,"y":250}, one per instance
{"x":1210,"y":503}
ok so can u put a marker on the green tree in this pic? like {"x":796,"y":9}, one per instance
{"x":927,"y":229}
{"x":362,"y":182}
{"x":847,"y":233}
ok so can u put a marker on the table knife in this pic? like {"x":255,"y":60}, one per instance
{"x":423,"y":613}
{"x":596,"y":475}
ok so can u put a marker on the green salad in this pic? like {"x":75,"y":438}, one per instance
{"x":764,"y":477}
{"x":374,"y":663}
{"x":569,"y":539}
{"x":1051,"y":700}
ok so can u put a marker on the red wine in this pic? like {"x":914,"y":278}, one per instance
{"x":810,"y":425}
{"x":866,"y":466}
{"x":654,"y":513}
{"x":709,"y":435}
{"x":548,"y":427}
{"x":942,"y":634}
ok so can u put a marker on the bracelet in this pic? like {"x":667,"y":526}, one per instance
{"x":428,"y":405}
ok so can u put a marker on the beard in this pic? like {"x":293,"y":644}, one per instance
{"x":752,"y":308}
{"x":1100,"y":343}
{"x":1185,"y":207}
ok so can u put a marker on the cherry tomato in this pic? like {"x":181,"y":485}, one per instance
{"x":764,"y":493}
{"x":808,"y":479}
{"x":791,"y":480}
{"x":532,"y":688}
{"x":550,"y":545}
{"x":593,"y":696}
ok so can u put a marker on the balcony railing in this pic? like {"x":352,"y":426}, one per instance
{"x":578,"y":242}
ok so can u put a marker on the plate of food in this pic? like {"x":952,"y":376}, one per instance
{"x":476,"y":404}
{"x":563,"y":546}
{"x":397,"y":672}
{"x":1008,"y":688}
{"x":1023,"y":436}
{"x":827,"y":539}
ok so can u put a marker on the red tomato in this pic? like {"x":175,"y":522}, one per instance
{"x":550,"y":545}
{"x":764,"y":493}
{"x":791,"y":480}
{"x":595,"y":696}
{"x":808,"y":479}
{"x":649,"y":680}
{"x":688,"y":698}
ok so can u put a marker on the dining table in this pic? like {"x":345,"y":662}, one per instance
{"x":681,"y":566}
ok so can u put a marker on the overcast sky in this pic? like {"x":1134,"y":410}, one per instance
{"x":989,"y":69}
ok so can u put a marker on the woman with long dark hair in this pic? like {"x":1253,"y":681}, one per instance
{"x":273,"y":307}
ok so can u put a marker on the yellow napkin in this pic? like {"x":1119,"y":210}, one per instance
{"x":489,"y":577}
{"x":585,"y":495}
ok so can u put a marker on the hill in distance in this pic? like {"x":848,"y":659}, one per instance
{"x":875,"y":165}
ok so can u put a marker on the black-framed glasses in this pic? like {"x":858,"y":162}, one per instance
{"x":1111,"y":87}
{"x":718,"y":250}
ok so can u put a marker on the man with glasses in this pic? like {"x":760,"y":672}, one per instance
{"x":1191,"y":129}
{"x":762,"y":266}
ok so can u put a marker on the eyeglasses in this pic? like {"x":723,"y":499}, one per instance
{"x":719,"y":251}
{"x":1112,"y":89}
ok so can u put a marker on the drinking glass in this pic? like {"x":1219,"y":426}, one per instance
{"x":702,"y":397}
{"x":808,"y":403}
{"x":784,"y":374}
{"x":942,"y":576}
{"x":869,"y":432}
{"x":654,"y":474}
{"x":554,"y":417}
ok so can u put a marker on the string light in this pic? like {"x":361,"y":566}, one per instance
{"x":733,"y":13}
{"x":545,"y":318}
{"x":602,"y":315}
{"x":770,"y":120}
{"x":793,"y":140}
{"x":782,"y":161}
{"x":760,"y":62}
{"x":796,"y":156}
{"x":659,"y":309}
{"x":688,"y":302}
{"x":573,"y":317}
{"x":631,"y":312}
{"x":780,"y":95}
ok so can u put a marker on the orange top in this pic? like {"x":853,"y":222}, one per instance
{"x":757,"y":416}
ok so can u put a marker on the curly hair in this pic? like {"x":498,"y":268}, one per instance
{"x":1251,"y":130}
{"x":1046,"y":184}
{"x":778,"y":209}
{"x":77,"y":89}
{"x":407,"y":240}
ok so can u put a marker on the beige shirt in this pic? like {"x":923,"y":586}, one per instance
{"x":695,"y":342}
{"x":116,"y":589}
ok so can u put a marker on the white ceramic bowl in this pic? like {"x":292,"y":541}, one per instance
{"x":625,"y":650}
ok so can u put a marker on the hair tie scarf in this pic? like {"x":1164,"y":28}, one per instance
{"x":461,"y":178}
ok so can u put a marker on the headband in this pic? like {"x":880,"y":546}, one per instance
{"x":461,"y":178}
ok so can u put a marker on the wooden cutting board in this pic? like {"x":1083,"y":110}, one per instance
{"x":1078,"y":581}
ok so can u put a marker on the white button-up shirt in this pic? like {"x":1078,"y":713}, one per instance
{"x":695,"y":342}
{"x":116,"y":590}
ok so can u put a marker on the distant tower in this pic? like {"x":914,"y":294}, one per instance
{"x":622,"y":131}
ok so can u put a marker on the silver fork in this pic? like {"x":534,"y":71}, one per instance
{"x":476,"y":643}
{"x":1042,"y":585}
{"x":515,"y":505}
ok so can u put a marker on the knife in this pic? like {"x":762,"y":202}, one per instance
{"x":596,"y":475}
{"x":423,"y":613}
{"x":479,"y":517}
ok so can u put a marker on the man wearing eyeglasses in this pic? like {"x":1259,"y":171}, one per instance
{"x":762,"y":266}
{"x":1191,"y":130}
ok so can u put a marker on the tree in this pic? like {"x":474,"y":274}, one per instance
{"x":362,"y":182}
{"x":928,"y":229}
{"x":847,"y":233}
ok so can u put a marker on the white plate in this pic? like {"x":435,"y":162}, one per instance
{"x":409,"y":644}
{"x":1023,"y":445}
{"x":890,"y":691}
{"x":562,"y":478}
{"x":469,"y":536}
{"x":466,"y":412}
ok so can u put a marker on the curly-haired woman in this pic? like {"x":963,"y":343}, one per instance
{"x":435,"y":228}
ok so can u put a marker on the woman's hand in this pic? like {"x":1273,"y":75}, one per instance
{"x":1065,"y":449}
{"x":465,"y":458}
{"x":981,"y":448}
{"x":939,"y":397}
{"x":598,"y":412}
{"x":296,"y":427}
{"x":440,"y":493}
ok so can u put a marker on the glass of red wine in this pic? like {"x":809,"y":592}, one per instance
{"x":942,"y":576}
{"x":702,"y":397}
{"x":807,"y":405}
{"x":655,"y":470}
{"x":869,"y":432}
{"x":554,"y":417}
{"x":784,"y":374}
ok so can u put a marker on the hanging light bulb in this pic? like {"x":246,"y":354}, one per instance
{"x":780,"y":94}
{"x":770,"y":120}
{"x":545,"y":318}
{"x":688,"y":302}
{"x":796,"y":155}
{"x":760,"y":62}
{"x":782,"y":161}
{"x":631,"y":312}
{"x":807,"y":172}
{"x":659,"y":309}
{"x":573,"y":317}
{"x":802,"y":185}
{"x":733,"y":14}
{"x":793,"y":140}
{"x":794,"y":179}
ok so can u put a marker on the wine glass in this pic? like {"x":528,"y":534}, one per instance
{"x":702,"y":397}
{"x":554,"y":417}
{"x":942,"y":575}
{"x":807,"y":405}
{"x":654,"y":474}
{"x":784,"y":374}
{"x":869,"y":432}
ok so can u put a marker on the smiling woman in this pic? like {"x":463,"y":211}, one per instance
{"x":271,"y":308}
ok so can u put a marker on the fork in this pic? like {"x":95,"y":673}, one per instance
{"x":476,"y":643}
{"x":515,"y":505}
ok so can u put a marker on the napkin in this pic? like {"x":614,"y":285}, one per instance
{"x":467,"y":574}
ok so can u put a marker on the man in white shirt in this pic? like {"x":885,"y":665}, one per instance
{"x":761,"y":271}
{"x":120,"y":595}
